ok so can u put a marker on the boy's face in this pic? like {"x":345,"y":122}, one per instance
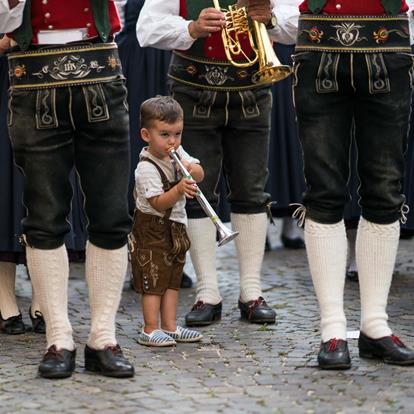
{"x":162,"y":137}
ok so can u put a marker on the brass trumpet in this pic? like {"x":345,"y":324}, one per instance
{"x":225,"y":235}
{"x":237,"y":24}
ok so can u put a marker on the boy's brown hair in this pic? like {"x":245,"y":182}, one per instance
{"x":160,"y":108}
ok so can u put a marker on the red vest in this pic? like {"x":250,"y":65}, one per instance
{"x":352,"y":7}
{"x":73,"y":14}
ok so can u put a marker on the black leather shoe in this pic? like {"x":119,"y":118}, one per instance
{"x":186,"y":281}
{"x":352,"y":275}
{"x":257,"y":311}
{"x":203,"y":314}
{"x":389,"y":349}
{"x":13,"y":325}
{"x":296,"y":243}
{"x":57,"y":363}
{"x":38,"y":322}
{"x":334,"y":354}
{"x":109,"y":362}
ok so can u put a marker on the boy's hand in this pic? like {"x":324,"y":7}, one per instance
{"x":187,"y":187}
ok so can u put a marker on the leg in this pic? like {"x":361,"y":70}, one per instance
{"x":11,"y":321}
{"x":169,"y":310}
{"x":102,"y":161}
{"x":325,"y":130}
{"x":43,"y":150}
{"x":204,"y":114}
{"x":246,"y":171}
{"x":381,"y":139}
{"x":151,"y":305}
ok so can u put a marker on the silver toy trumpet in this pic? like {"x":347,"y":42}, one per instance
{"x":225,"y":234}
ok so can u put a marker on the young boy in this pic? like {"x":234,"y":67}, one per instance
{"x":160,"y":239}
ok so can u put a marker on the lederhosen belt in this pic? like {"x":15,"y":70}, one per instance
{"x":208,"y":74}
{"x":69,"y":65}
{"x":353,"y":34}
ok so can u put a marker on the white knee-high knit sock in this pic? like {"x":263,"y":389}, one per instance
{"x":376,"y":250}
{"x":49,"y":272}
{"x":250,"y":244}
{"x":326,"y":248}
{"x":8,"y":305}
{"x":202,"y":234}
{"x":351,"y":237}
{"x":35,"y":305}
{"x":105,"y":274}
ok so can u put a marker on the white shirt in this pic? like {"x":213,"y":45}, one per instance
{"x":10,"y":19}
{"x":160,"y":25}
{"x":410,"y":4}
{"x":148,"y":184}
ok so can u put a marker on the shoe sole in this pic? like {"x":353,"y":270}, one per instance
{"x":243,"y":316}
{"x":188,"y":340}
{"x":335,"y":367}
{"x":156,"y":345}
{"x":59,"y":375}
{"x":385,"y":360}
{"x":93,"y":368}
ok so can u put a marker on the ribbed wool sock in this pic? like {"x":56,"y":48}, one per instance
{"x":105,"y":274}
{"x":326,"y":248}
{"x":8,"y":305}
{"x":376,"y":250}
{"x":49,"y":273}
{"x":250,"y":244}
{"x":351,"y":237}
{"x":202,"y":234}
{"x":35,"y":306}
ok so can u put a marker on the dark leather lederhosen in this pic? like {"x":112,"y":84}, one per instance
{"x":158,"y":248}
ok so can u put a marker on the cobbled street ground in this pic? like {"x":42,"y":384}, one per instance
{"x":238,"y":368}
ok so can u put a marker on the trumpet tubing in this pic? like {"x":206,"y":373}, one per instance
{"x":225,"y":235}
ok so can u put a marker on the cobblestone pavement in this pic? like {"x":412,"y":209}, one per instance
{"x":238,"y":368}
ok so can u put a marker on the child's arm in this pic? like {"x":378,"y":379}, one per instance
{"x":169,"y":198}
{"x":196,"y":170}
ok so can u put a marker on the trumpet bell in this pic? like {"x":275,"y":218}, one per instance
{"x":226,"y":236}
{"x":270,"y":74}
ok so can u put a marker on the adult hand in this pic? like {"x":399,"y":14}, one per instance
{"x":260,"y":10}
{"x":210,"y":20}
{"x":4,"y":44}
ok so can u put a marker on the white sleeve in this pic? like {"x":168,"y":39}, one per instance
{"x":148,"y":182}
{"x":287,"y":22}
{"x":410,"y":4}
{"x":160,"y":25}
{"x":184,"y":155}
{"x":10,"y":19}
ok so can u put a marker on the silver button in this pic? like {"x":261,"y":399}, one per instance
{"x":44,"y":1}
{"x":210,"y":48}
{"x":50,"y":27}
{"x":338,"y":7}
{"x":88,"y":25}
{"x":209,"y":35}
{"x":47,"y":15}
{"x":86,"y":9}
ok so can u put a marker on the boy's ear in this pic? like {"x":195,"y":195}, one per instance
{"x":145,"y":135}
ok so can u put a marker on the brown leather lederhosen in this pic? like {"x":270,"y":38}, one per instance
{"x":158,"y":248}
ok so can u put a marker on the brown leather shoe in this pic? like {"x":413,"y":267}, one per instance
{"x":389,"y":349}
{"x":57,"y":363}
{"x":109,"y":362}
{"x":257,"y":311}
{"x":334,"y":354}
{"x":13,"y":325}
